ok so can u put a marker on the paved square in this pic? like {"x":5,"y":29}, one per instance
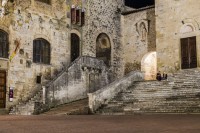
{"x":101,"y":124}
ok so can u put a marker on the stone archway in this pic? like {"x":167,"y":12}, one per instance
{"x":103,"y":48}
{"x":149,"y":65}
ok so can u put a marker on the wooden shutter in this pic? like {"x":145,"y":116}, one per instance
{"x":192,"y":52}
{"x":184,"y":53}
{"x":46,"y":53}
{"x":77,"y":15}
{"x":34,"y":51}
{"x":73,"y":15}
{"x":82,"y":18}
{"x":2,"y":89}
{"x":188,"y":53}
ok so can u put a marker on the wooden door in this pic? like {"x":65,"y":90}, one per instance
{"x":75,"y":46}
{"x":2,"y":89}
{"x":188,"y":53}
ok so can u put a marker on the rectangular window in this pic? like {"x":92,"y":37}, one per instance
{"x":73,"y":15}
{"x":41,"y":51}
{"x":82,"y":18}
{"x":3,"y":45}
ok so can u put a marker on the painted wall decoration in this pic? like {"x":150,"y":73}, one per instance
{"x":17,"y":43}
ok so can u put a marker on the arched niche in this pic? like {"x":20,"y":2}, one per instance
{"x":149,"y":65}
{"x":103,"y":48}
{"x":187,"y":28}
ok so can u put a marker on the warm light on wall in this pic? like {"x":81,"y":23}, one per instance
{"x":149,"y":66}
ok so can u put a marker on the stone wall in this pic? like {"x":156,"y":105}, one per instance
{"x":28,"y":20}
{"x":76,"y":82}
{"x":104,"y":95}
{"x":101,"y":17}
{"x":175,"y":19}
{"x":138,"y":36}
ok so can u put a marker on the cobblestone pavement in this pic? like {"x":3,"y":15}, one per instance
{"x":101,"y":124}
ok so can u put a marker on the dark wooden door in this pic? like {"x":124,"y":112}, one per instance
{"x":75,"y":46}
{"x":188,"y":53}
{"x":2,"y":89}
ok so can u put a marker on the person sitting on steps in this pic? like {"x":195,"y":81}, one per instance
{"x":158,"y":76}
{"x":164,"y":76}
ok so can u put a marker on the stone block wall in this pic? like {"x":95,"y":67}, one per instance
{"x":104,"y":17}
{"x":101,"y":17}
{"x":29,"y":20}
{"x":138,"y":36}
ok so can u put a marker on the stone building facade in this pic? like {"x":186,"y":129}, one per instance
{"x":139,"y":42}
{"x":177,"y":34}
{"x":29,"y":20}
{"x":43,"y":38}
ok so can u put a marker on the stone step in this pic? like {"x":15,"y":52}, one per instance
{"x":75,"y":108}
{"x":180,"y":94}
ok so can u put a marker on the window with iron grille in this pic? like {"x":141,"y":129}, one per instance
{"x":41,"y":51}
{"x":45,"y":1}
{"x":3,"y":44}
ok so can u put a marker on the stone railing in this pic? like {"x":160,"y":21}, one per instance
{"x":86,"y":74}
{"x":103,"y":95}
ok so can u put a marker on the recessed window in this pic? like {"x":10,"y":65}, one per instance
{"x":45,"y":1}
{"x":3,"y":44}
{"x":77,"y":16}
{"x":41,"y":51}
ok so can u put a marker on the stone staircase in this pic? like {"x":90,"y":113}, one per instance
{"x":70,"y":83}
{"x":31,"y":107}
{"x":180,"y":94}
{"x":79,"y":107}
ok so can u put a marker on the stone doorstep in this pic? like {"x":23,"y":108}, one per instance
{"x":4,"y":112}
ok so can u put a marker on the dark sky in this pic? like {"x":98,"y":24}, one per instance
{"x":139,"y":3}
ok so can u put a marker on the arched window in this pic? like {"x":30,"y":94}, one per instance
{"x":3,"y":44}
{"x":103,"y":48}
{"x":41,"y":51}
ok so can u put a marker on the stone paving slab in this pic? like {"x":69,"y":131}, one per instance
{"x":101,"y":124}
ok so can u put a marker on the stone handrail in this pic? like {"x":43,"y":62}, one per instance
{"x":105,"y":94}
{"x":70,"y":77}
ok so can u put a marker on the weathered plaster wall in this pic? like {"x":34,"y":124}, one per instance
{"x":138,"y":37}
{"x":30,"y":20}
{"x":171,"y":17}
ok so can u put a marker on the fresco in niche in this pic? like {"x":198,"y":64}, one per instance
{"x":103,"y":48}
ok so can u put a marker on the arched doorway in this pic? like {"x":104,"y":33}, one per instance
{"x":75,"y":46}
{"x":103,"y":48}
{"x":149,"y":66}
